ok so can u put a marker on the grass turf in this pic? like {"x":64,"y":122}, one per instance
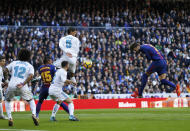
{"x":165,"y":119}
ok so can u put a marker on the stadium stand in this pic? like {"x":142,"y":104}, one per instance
{"x":105,"y":38}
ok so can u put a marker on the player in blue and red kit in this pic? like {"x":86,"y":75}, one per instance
{"x":47,"y":71}
{"x":159,"y":65}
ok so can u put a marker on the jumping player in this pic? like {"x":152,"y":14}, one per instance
{"x":2,"y":64}
{"x":70,"y":47}
{"x":56,"y":92}
{"x":158,"y":65}
{"x":47,"y":72}
{"x":21,"y":73}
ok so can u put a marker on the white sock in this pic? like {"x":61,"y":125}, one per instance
{"x":32,"y":107}
{"x":8,"y":109}
{"x":1,"y":109}
{"x":55,"y":109}
{"x":71,"y":109}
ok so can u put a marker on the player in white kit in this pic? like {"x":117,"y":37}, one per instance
{"x":2,"y":64}
{"x":21,"y":73}
{"x":70,"y":46}
{"x":57,"y":94}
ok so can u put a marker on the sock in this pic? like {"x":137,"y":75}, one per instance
{"x":65,"y":107}
{"x":8,"y":109}
{"x":38,"y":107}
{"x":55,"y":109}
{"x":1,"y":109}
{"x":71,"y":109}
{"x":32,"y":106}
{"x":144,"y":79}
{"x":166,"y":82}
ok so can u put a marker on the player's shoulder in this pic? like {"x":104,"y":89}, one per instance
{"x":29,"y":65}
{"x":62,"y":71}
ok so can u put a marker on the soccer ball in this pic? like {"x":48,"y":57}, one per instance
{"x":87,"y":64}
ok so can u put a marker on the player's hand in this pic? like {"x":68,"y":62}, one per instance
{"x":74,"y":83}
{"x":20,"y":85}
{"x":69,"y":55}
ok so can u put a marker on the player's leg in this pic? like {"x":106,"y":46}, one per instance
{"x":71,"y":110}
{"x":1,"y":105}
{"x":26,"y":94}
{"x":9,"y":94}
{"x":57,"y":63}
{"x":172,"y":86}
{"x":55,"y":109}
{"x":65,"y":107}
{"x":70,"y":106}
{"x":43,"y":95}
{"x":72,"y":68}
{"x":162,"y":70}
{"x":144,"y":78}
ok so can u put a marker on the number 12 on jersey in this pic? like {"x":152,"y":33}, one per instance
{"x":19,"y":71}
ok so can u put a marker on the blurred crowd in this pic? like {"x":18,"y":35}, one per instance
{"x":109,"y":13}
{"x":116,"y":70}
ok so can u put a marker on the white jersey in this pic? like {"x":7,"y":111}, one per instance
{"x":59,"y":79}
{"x":20,"y":70}
{"x":1,"y":76}
{"x":70,"y":44}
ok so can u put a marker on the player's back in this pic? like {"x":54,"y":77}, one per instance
{"x":59,"y":79}
{"x":47,"y":73}
{"x":151,"y":52}
{"x":20,"y":70}
{"x":70,"y":44}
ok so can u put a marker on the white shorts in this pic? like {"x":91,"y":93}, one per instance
{"x":23,"y":92}
{"x":58,"y":95}
{"x":72,"y":62}
{"x":1,"y":94}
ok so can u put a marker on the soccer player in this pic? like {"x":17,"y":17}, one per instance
{"x":47,"y":72}
{"x":2,"y":64}
{"x":21,"y":73}
{"x":158,"y":65}
{"x":56,"y":92}
{"x":70,"y":47}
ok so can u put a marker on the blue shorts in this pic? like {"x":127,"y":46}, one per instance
{"x":44,"y":92}
{"x":159,"y":66}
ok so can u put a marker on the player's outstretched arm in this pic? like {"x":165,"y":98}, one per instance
{"x":67,"y":82}
{"x":29,"y":78}
{"x":5,"y":75}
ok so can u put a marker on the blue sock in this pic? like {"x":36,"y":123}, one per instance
{"x":65,"y":107}
{"x":38,"y":107}
{"x":166,"y":82}
{"x":144,"y":79}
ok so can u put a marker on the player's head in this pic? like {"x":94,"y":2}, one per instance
{"x":72,"y":31}
{"x":2,"y":60}
{"x":135,"y":47}
{"x":47,"y":60}
{"x":65,"y":65}
{"x":24,"y":55}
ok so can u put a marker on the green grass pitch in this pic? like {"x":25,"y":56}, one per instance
{"x":166,"y":119}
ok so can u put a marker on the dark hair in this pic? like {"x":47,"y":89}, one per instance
{"x":46,"y":59}
{"x":1,"y":57}
{"x":71,"y":29}
{"x":24,"y":54}
{"x":134,"y":45}
{"x":64,"y":63}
